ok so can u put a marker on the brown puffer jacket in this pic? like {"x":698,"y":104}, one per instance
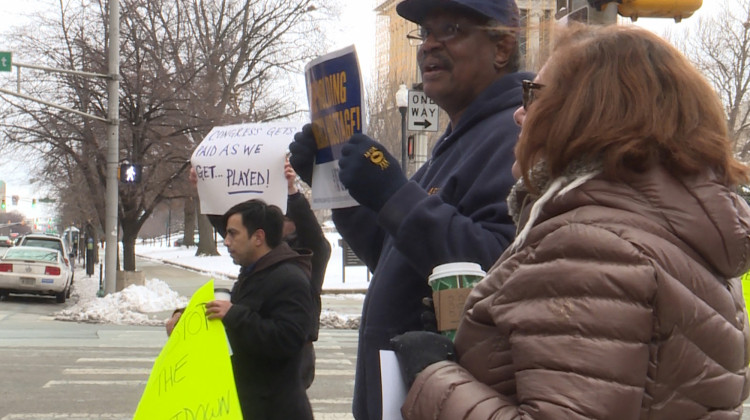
{"x":622,"y":302}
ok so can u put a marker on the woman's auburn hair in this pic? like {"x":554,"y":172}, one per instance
{"x":625,"y":97}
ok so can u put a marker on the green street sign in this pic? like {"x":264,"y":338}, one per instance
{"x":5,"y":60}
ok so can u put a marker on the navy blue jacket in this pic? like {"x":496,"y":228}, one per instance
{"x":453,"y":209}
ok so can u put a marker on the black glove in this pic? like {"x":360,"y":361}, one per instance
{"x":415,"y":350}
{"x":369,"y":172}
{"x":303,"y":150}
{"x":429,"y":319}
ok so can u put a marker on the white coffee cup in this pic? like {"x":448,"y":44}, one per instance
{"x":222,"y":294}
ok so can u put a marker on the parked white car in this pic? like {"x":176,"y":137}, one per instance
{"x":52,"y":242}
{"x":35,"y":270}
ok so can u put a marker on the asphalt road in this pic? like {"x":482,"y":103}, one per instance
{"x":54,"y":369}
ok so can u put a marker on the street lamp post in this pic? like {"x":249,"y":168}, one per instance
{"x":402,"y":101}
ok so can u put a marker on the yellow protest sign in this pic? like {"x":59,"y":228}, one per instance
{"x":192,"y":376}
{"x":746,"y":289}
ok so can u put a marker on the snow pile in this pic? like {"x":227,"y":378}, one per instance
{"x":330,"y":319}
{"x":134,"y":305}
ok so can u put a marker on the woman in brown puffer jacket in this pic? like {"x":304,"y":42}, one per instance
{"x":620,"y":298}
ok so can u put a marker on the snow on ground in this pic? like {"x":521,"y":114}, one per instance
{"x":146,"y":305}
{"x":134,"y":305}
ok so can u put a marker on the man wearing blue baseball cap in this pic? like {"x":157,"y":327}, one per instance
{"x":453,"y":208}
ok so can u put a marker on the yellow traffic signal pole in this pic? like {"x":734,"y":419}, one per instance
{"x":604,"y":12}
{"x":675,"y":9}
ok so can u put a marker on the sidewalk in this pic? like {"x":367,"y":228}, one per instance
{"x":338,"y":279}
{"x":342,"y":297}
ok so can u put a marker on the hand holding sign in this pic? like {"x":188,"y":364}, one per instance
{"x":302,"y":151}
{"x":370,"y":173}
{"x":196,"y":354}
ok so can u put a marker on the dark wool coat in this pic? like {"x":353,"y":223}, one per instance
{"x":268,"y":324}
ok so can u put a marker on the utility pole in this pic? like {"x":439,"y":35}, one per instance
{"x":113,"y":149}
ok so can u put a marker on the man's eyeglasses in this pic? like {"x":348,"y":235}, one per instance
{"x":529,"y":94}
{"x":442,"y":33}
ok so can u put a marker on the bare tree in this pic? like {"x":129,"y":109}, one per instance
{"x":719,"y":45}
{"x":186,"y":66}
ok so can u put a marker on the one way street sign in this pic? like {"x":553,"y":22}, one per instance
{"x":423,"y":112}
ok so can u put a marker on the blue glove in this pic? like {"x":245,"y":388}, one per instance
{"x":302,"y":151}
{"x":415,"y":350}
{"x":369,"y":172}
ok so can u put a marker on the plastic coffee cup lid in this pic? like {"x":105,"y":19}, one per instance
{"x":456,"y":268}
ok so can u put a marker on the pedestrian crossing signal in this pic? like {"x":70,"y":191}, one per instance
{"x":130,"y":173}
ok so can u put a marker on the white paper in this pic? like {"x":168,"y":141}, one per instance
{"x":241,"y":162}
{"x":394,"y":389}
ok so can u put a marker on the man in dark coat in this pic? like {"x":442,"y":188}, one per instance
{"x":270,"y":315}
{"x":303,"y":234}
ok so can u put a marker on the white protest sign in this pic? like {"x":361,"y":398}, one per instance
{"x":236,"y":163}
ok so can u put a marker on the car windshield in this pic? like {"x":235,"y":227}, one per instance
{"x":22,"y":253}
{"x":44,"y":243}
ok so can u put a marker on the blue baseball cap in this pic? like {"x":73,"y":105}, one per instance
{"x":504,"y":12}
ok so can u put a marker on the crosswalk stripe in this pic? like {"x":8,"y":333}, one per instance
{"x":331,"y":401}
{"x":334,"y":361}
{"x":50,"y":384}
{"x":115,"y":359}
{"x":67,"y":416}
{"x":86,"y":371}
{"x":120,"y":416}
{"x":334,"y":372}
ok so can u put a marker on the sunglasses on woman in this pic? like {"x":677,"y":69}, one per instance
{"x":529,"y":94}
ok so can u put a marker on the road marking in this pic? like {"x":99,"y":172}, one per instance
{"x":334,"y":361}
{"x":66,"y":383}
{"x":334,"y":372}
{"x":115,"y":359}
{"x":334,"y":416}
{"x":67,"y":416}
{"x":331,"y":401}
{"x":84,"y":371}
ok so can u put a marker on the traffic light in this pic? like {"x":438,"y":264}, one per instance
{"x":33,"y":202}
{"x":130,"y":173}
{"x":2,"y":206}
{"x":675,"y":9}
